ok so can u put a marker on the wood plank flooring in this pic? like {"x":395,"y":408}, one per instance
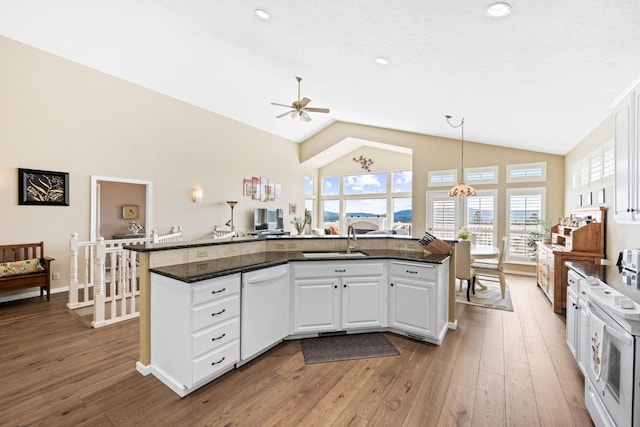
{"x":496,"y":369}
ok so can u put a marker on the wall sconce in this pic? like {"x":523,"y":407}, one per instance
{"x":196,"y":195}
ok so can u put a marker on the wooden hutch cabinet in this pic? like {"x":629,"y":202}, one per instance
{"x":581,"y":240}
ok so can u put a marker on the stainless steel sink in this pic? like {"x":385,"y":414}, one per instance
{"x":334,"y":254}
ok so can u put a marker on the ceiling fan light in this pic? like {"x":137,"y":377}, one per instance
{"x":462,"y":190}
{"x":304,"y":116}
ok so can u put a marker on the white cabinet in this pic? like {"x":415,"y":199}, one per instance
{"x":334,"y":295}
{"x":578,"y":321}
{"x":265,"y":309}
{"x":626,"y":116}
{"x":195,"y":330}
{"x":418,"y":299}
{"x":572,"y":321}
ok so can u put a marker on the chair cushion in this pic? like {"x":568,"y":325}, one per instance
{"x":26,"y":266}
{"x":487,"y":265}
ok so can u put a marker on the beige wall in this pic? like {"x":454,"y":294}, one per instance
{"x":618,"y":236}
{"x":57,"y":115}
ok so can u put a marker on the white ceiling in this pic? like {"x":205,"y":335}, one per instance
{"x":540,"y":79}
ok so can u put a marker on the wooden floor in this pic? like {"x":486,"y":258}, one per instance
{"x":497,"y":369}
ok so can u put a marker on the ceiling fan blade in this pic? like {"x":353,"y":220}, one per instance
{"x":281,"y":105}
{"x":284,"y":114}
{"x":317,"y":110}
{"x":304,"y":101}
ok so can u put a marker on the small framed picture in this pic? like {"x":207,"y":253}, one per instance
{"x":293,"y":209}
{"x":601,"y":195}
{"x":247,"y":188}
{"x":579,"y":199}
{"x":37,"y":187}
{"x":130,"y":212}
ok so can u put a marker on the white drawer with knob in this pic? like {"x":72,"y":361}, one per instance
{"x":411,"y":270}
{"x":216,"y":336}
{"x":217,"y":311}
{"x":212,"y":289}
{"x":215,"y":361}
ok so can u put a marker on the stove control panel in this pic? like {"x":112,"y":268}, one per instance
{"x":611,"y":300}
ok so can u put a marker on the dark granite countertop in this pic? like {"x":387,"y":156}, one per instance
{"x":609,"y":275}
{"x":202,"y":270}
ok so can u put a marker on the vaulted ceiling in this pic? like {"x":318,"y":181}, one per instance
{"x":540,"y":78}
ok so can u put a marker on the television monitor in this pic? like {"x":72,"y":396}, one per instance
{"x":265,"y":219}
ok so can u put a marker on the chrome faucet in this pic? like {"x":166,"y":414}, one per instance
{"x":351,"y":232}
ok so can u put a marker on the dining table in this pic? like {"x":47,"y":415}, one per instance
{"x":484,"y":252}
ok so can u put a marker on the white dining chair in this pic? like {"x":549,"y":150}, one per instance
{"x":490,"y":269}
{"x":464,"y":272}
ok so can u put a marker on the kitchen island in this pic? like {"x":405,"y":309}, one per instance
{"x":204,"y":262}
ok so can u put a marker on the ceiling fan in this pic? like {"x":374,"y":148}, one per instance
{"x":299,"y":108}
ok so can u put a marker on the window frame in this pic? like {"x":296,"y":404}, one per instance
{"x":536,"y":165}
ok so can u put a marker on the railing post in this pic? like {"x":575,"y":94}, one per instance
{"x":98,"y":287}
{"x":73,"y":271}
{"x":133,"y":280}
{"x":154,"y":236}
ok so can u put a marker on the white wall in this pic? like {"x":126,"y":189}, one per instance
{"x":57,"y":115}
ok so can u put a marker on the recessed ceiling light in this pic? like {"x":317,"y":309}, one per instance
{"x":262,"y":13}
{"x":382,"y":61}
{"x":498,"y":10}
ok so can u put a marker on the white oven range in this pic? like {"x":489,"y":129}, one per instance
{"x":612,"y":385}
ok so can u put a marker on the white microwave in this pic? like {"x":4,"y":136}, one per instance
{"x":631,"y":259}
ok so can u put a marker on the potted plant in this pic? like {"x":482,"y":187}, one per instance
{"x":300,"y":223}
{"x":543,"y":234}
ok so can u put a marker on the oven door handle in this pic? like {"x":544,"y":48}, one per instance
{"x":624,"y":338}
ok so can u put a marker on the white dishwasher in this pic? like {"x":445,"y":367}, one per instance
{"x":265,"y":309}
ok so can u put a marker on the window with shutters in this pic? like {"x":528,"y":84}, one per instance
{"x":608,"y":164}
{"x":443,"y":214}
{"x":525,"y":209}
{"x":480,"y":215}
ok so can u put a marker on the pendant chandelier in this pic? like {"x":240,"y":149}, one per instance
{"x":461,"y":189}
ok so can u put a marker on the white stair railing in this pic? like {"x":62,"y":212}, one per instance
{"x":104,"y":275}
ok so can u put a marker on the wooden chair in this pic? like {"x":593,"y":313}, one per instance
{"x":491,"y":269}
{"x":464,"y":272}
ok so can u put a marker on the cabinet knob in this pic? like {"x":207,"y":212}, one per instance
{"x":390,"y":284}
{"x":344,"y":286}
{"x":335,"y":287}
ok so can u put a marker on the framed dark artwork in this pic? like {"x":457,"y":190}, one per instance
{"x":37,"y":187}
